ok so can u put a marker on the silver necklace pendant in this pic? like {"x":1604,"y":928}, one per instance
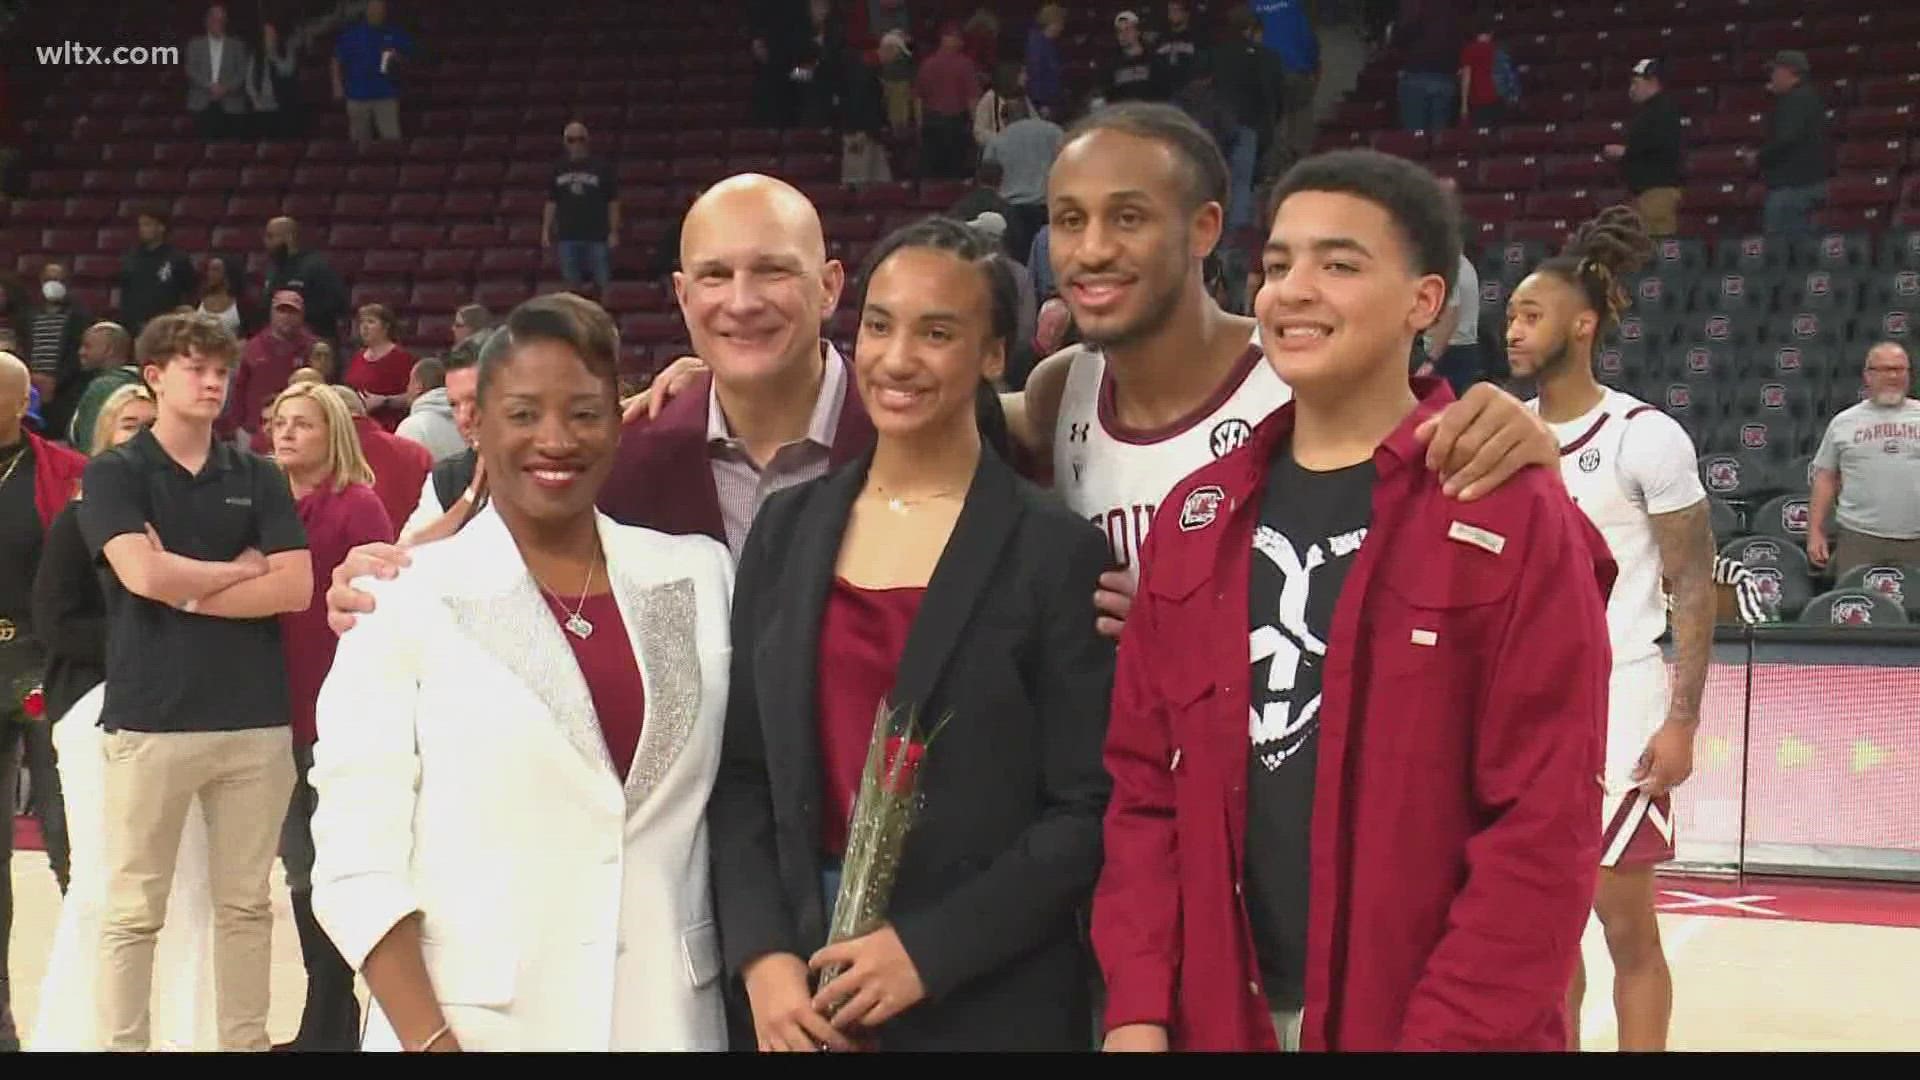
{"x":578,"y":626}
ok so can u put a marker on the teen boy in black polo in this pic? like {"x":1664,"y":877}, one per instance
{"x":204,"y":549}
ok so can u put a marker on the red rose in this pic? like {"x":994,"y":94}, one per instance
{"x":909,"y":768}
{"x":34,"y":704}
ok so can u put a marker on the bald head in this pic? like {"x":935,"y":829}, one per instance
{"x":282,"y":232}
{"x":15,"y":382}
{"x":575,"y":138}
{"x":748,"y":203}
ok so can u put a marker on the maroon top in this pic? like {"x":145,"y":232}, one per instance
{"x":336,"y":523}
{"x":862,"y":634}
{"x":613,"y":674}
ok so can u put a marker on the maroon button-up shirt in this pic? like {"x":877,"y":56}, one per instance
{"x":1456,"y":816}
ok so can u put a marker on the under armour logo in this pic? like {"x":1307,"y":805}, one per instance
{"x":1078,"y":432}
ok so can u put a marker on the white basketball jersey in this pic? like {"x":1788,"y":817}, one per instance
{"x":1117,"y":479}
{"x":1622,"y":462}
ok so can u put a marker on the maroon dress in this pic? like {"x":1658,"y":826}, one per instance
{"x":862,"y":634}
{"x":612,"y":672}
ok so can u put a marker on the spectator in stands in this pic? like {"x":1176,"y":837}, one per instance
{"x":1201,"y":99}
{"x":380,"y":370}
{"x":1481,"y":105}
{"x":1794,"y":160}
{"x":470,"y":320}
{"x":365,"y":59}
{"x":307,"y":273}
{"x":947,"y":85}
{"x":982,"y":34}
{"x":1288,"y":33}
{"x":216,"y":68}
{"x":818,"y":72}
{"x":581,"y":221}
{"x":1869,"y":461}
{"x":453,"y":476}
{"x":985,"y":195}
{"x":1177,"y":49}
{"x":1133,"y":73}
{"x":777,"y":26}
{"x":1453,"y":344}
{"x":863,"y":122}
{"x":315,"y":445}
{"x":53,"y":348}
{"x":220,"y":284}
{"x":1431,"y":34}
{"x":1046,"y":72}
{"x":273,"y":88}
{"x":106,"y":353}
{"x":155,"y":277}
{"x":267,"y":364}
{"x":896,"y":86}
{"x":400,"y":466}
{"x":16,"y":300}
{"x":1250,"y":82}
{"x":1025,"y":151}
{"x":1026,"y":306}
{"x":889,"y":16}
{"x":323,"y":360}
{"x":990,"y":112}
{"x":429,"y":419}
{"x":1651,"y":160}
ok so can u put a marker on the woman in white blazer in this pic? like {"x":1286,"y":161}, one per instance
{"x":515,"y":749}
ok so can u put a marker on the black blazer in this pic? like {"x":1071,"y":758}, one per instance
{"x":1007,"y":847}
{"x":69,"y":614}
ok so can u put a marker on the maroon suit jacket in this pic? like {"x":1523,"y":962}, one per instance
{"x":663,"y":478}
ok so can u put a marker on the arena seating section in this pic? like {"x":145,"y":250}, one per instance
{"x":1752,"y":343}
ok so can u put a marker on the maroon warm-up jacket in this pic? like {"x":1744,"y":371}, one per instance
{"x":1456,"y":816}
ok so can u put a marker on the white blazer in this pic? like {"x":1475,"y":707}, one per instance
{"x":462,"y":774}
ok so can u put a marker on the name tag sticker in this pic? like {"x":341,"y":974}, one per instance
{"x":1481,"y":538}
{"x":1426,"y":637}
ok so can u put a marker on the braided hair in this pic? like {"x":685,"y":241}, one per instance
{"x":1602,"y":253}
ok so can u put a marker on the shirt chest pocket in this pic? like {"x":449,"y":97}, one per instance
{"x":1442,"y":616}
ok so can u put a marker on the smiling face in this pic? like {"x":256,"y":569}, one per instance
{"x":548,"y":427}
{"x":1340,"y":297}
{"x":1125,"y":238}
{"x":756,"y":283}
{"x":926,"y":340}
{"x":1546,"y":318}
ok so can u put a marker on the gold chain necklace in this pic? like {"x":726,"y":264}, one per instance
{"x":904,"y":504}
{"x":18,"y":456}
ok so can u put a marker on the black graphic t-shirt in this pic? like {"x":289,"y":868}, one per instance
{"x":1311,"y":526}
{"x":581,"y":192}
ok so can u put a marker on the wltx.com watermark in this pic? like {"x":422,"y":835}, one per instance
{"x":73,"y":53}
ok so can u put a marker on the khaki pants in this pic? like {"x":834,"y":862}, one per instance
{"x":1852,"y":550}
{"x":244,"y":780}
{"x":364,"y":116}
{"x":1659,"y":210}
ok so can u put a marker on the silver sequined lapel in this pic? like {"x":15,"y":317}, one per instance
{"x":664,"y":623}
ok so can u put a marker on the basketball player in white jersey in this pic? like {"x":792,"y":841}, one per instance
{"x":1631,"y":468}
{"x":1166,"y":381}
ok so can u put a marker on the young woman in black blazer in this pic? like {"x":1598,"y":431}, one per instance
{"x":926,"y":574}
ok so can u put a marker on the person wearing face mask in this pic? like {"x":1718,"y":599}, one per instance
{"x":515,"y":748}
{"x":315,"y":445}
{"x":52,"y":337}
{"x":924,"y":576}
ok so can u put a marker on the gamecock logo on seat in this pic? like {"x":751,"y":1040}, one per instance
{"x":1718,"y":328}
{"x":1679,"y":397}
{"x":1670,"y":250}
{"x":1906,"y":283}
{"x":1733,"y":285}
{"x":1770,"y":583}
{"x":1699,"y":361}
{"x":1888,"y":581}
{"x":1651,"y":288}
{"x":1761,"y":551}
{"x":1895,"y":323}
{"x":1793,"y":517}
{"x":1753,"y":436}
{"x":1851,"y":611}
{"x":1806,"y":324}
{"x":1630,"y":328}
{"x":1516,"y":254}
{"x":1787,"y":359}
{"x":1773,"y":396}
{"x":1611,"y":363}
{"x":1723,"y":474}
{"x":1834,"y":247}
{"x":1490,"y":293}
{"x":1753,"y":247}
{"x":1819,"y":283}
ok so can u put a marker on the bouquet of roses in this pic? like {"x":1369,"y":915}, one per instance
{"x":883,"y":814}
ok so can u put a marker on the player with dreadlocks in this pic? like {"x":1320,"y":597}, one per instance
{"x":1631,"y":468}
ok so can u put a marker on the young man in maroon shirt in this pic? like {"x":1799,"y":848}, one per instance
{"x":1382,"y":833}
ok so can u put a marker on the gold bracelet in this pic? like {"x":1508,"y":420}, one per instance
{"x":434,"y":1038}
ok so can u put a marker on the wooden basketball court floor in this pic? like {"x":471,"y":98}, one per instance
{"x":1757,"y":964}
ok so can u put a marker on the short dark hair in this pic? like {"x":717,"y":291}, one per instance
{"x":1207,"y":176}
{"x":565,"y":317}
{"x":1427,"y":216}
{"x":430,"y":372}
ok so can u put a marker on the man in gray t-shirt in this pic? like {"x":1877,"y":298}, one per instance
{"x":1870,"y":460}
{"x":1025,"y":150}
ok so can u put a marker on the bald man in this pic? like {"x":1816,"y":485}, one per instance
{"x":37,"y":478}
{"x":307,"y":273}
{"x":581,"y":221}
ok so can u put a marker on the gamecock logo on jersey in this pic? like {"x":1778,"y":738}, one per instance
{"x":1201,"y":508}
{"x":1819,"y":283}
{"x":1717,"y":328}
{"x":1787,"y":359}
{"x":1888,"y":581}
{"x":1699,"y":361}
{"x":1906,"y":283}
{"x":1753,"y":436}
{"x":1679,"y":397}
{"x":1851,"y":611}
{"x":1895,"y":322}
{"x":1733,"y":285}
{"x":1793,"y":517}
{"x":1761,"y":551}
{"x":1773,"y":396}
{"x":1228,"y":436}
{"x":1806,"y":325}
{"x":1589,"y":459}
{"x":1610,"y":362}
{"x":1723,"y":474}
